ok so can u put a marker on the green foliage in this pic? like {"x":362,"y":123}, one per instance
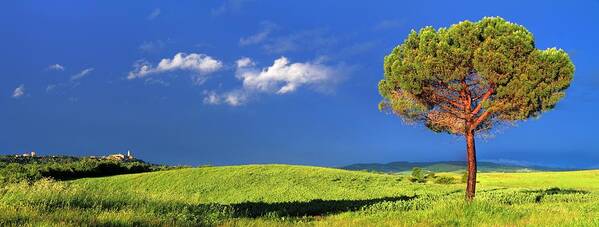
{"x":498,"y":55}
{"x":418,"y":175}
{"x":444,"y":180}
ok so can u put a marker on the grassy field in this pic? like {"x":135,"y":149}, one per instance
{"x":258,"y":195}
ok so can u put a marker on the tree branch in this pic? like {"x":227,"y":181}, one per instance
{"x":448,"y":100}
{"x":455,"y":112}
{"x":480,"y":119}
{"x":484,"y":98}
{"x":441,"y":98}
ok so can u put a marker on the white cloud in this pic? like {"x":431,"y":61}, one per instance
{"x":210,"y":97}
{"x":244,"y":62}
{"x":232,"y":98}
{"x":282,"y":77}
{"x":81,"y":74}
{"x":155,"y":13}
{"x":56,"y":67}
{"x":285,"y":77}
{"x":200,"y":64}
{"x":19,"y":91}
{"x":236,"y":98}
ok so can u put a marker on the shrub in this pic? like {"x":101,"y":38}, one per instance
{"x":420,"y":175}
{"x":444,"y":180}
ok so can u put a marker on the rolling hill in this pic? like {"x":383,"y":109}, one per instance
{"x":445,"y":166}
{"x":275,"y":195}
{"x":266,"y":183}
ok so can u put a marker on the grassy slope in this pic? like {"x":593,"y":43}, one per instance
{"x":272,"y":183}
{"x":585,"y":180}
{"x":267,"y":183}
{"x":169,"y":198}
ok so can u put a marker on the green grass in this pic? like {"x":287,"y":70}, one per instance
{"x":259,"y":195}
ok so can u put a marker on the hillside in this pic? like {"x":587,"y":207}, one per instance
{"x":267,"y":183}
{"x":275,"y":195}
{"x":17,"y":168}
{"x":445,"y":166}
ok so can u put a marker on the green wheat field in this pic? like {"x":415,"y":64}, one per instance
{"x":279,"y":195}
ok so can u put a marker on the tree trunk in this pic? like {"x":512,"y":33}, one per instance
{"x":471,"y":153}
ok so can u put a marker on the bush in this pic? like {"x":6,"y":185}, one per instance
{"x":420,"y":175}
{"x":444,"y":180}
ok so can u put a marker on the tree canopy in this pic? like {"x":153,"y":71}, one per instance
{"x":472,"y":75}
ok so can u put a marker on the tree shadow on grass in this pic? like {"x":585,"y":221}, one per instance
{"x":541,"y":193}
{"x":310,"y":208}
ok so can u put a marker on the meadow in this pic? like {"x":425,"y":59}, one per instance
{"x":279,"y":195}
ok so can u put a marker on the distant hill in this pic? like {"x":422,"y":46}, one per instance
{"x":445,"y":166}
{"x":30,"y":167}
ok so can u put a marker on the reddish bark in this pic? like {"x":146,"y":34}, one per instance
{"x":471,"y":154}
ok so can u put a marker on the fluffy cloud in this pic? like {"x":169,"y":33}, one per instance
{"x":19,"y":91}
{"x":284,"y":77}
{"x":244,"y":62}
{"x":281,"y":77}
{"x":232,"y":98}
{"x":200,"y":64}
{"x":56,"y":67}
{"x":81,"y":74}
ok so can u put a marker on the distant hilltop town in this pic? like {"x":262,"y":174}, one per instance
{"x":119,"y":157}
{"x":30,"y":154}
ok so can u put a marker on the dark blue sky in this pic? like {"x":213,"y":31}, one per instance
{"x":83,"y":78}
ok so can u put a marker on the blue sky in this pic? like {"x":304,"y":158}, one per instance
{"x":219,"y":82}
